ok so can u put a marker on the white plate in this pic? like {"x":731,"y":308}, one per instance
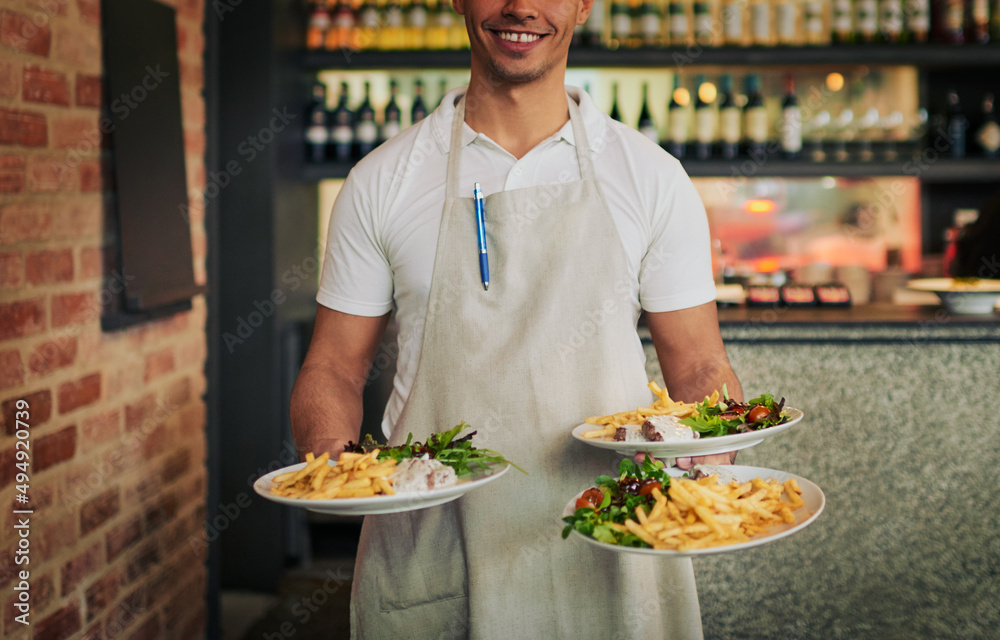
{"x":696,"y":447}
{"x":812,"y":496}
{"x":381,"y":504}
{"x":961,"y":298}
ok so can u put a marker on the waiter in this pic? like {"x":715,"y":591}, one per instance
{"x":587,"y":224}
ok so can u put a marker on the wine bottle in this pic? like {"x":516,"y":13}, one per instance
{"x":988,"y":135}
{"x":704,"y":118}
{"x":317,"y":131}
{"x":365,"y":131}
{"x":621,"y":24}
{"x":416,"y":24}
{"x":890,"y":26}
{"x":760,"y":22}
{"x":791,"y":121}
{"x":615,"y":113}
{"x":649,"y":23}
{"x":734,"y":27}
{"x":866,"y":21}
{"x":918,"y":21}
{"x":786,"y":19}
{"x":957,"y":125}
{"x":319,"y":23}
{"x":418,"y":110}
{"x":949,"y":21}
{"x":979,"y":22}
{"x":815,"y":31}
{"x":341,"y":127}
{"x":646,"y":125}
{"x":730,"y":131}
{"x":755,"y":118}
{"x":442,"y":89}
{"x":368,"y":25}
{"x":593,"y":29}
{"x":678,"y":23}
{"x":842,"y":31}
{"x":704,"y":27}
{"x":392,"y":117}
{"x":677,"y":117}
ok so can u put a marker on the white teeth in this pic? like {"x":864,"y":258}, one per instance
{"x":518,"y":37}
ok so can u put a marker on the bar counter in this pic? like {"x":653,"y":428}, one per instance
{"x":901,"y":433}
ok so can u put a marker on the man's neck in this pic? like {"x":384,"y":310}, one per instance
{"x":516,"y":117}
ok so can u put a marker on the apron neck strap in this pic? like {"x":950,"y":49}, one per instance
{"x":455,"y":147}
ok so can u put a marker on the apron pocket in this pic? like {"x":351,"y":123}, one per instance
{"x":422,"y":559}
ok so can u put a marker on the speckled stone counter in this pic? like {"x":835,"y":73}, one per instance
{"x":902,"y":434}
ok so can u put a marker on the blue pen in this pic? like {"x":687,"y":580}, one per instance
{"x":484,"y":262}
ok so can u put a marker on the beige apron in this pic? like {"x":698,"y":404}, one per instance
{"x":551,"y":342}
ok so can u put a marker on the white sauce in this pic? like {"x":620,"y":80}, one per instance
{"x":422,"y":474}
{"x":670,"y":428}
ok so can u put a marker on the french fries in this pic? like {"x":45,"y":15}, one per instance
{"x":696,"y":514}
{"x":355,"y":475}
{"x":663,"y":406}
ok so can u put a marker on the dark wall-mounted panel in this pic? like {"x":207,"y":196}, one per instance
{"x":143,"y":117}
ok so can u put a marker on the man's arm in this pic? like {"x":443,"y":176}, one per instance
{"x":694,"y":361}
{"x":326,"y":405}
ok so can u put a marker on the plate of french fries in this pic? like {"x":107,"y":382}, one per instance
{"x":359,"y":484}
{"x":704,"y":516}
{"x":599,"y":431}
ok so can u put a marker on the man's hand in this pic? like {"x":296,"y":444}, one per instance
{"x":728,"y":457}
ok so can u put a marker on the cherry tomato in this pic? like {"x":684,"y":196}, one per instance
{"x":757,"y":413}
{"x":594,"y":496}
{"x":583,"y":503}
{"x":648,"y":486}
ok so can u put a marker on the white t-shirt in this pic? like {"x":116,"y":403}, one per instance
{"x":385,"y":222}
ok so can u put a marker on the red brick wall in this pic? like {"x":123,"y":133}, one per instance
{"x":117,"y":473}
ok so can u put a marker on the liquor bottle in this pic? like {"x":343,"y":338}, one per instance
{"x":890,"y":20}
{"x":317,"y":131}
{"x":979,"y":22}
{"x":438,"y":25}
{"x":678,"y":23}
{"x":593,"y":29}
{"x":649,"y":24}
{"x":704,"y":17}
{"x":458,"y":37}
{"x":988,"y":135}
{"x":365,"y":130}
{"x":338,"y":36}
{"x":646,"y":125}
{"x":319,"y":23}
{"x":733,"y":23}
{"x":418,"y":110}
{"x":754,"y":118}
{"x":416,"y":24}
{"x":442,"y":89}
{"x":341,"y":127}
{"x":392,"y":120}
{"x":730,"y":131}
{"x":704,"y":118}
{"x":949,"y":21}
{"x":813,"y":23}
{"x":995,"y":19}
{"x":866,"y":20}
{"x":615,"y":113}
{"x":791,"y":121}
{"x":918,"y":21}
{"x":786,"y":20}
{"x":392,"y":34}
{"x":368,"y":25}
{"x":677,"y":117}
{"x":621,"y":24}
{"x":957,"y":125}
{"x":760,"y":22}
{"x":842,"y":31}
